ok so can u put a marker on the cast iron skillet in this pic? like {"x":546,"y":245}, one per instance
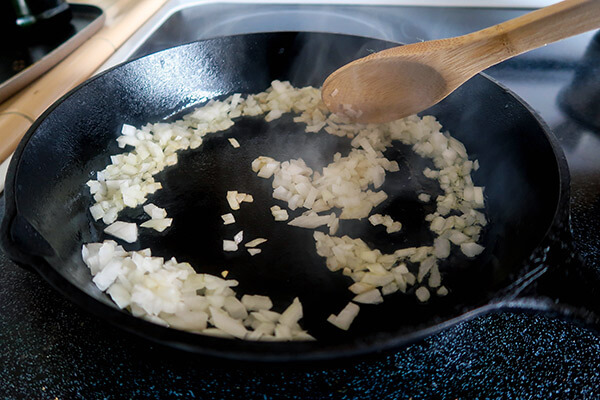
{"x":522,"y":168}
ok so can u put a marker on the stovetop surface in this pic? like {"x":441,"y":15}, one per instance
{"x":51,"y":349}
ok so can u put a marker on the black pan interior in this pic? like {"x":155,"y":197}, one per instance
{"x":75,"y":138}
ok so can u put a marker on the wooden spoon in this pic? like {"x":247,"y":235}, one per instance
{"x":405,"y":80}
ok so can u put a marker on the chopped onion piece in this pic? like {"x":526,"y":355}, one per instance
{"x":442,"y":291}
{"x":96,"y":211}
{"x":441,"y":247}
{"x":268,"y":170}
{"x":239,"y":237}
{"x":240,"y":197}
{"x":232,"y":200}
{"x":158,"y":224}
{"x":390,"y":288}
{"x":154,"y":211}
{"x":458,"y":237}
{"x":435,"y":279}
{"x":126,"y":231}
{"x":261,"y":161}
{"x":394,"y":227}
{"x":371,"y":297}
{"x":333,"y":225}
{"x":478,"y":196}
{"x":422,"y":294}
{"x":234,"y":143}
{"x":119,"y":294}
{"x":228,"y":218}
{"x":256,"y":302}
{"x":345,"y":318}
{"x":229,"y":245}
{"x":471,"y":249}
{"x":108,"y":274}
{"x":311,"y":221}
{"x":292,"y":314}
{"x":279,"y":214}
{"x":360,"y":287}
{"x":254,"y":252}
{"x":227,"y":324}
{"x":376,"y":219}
{"x":424,"y":197}
{"x":391,"y":225}
{"x":128,"y":130}
{"x":404,"y":253}
{"x":377,"y":279}
{"x":255,"y":242}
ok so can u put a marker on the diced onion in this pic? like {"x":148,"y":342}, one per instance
{"x":471,"y":249}
{"x":229,"y":245}
{"x":254,"y":252}
{"x":239,"y":237}
{"x":228,"y":218}
{"x":345,"y":318}
{"x":232,"y":200}
{"x":347,"y":188}
{"x":371,"y":297}
{"x":155,"y":212}
{"x":126,"y":231}
{"x":255,"y":242}
{"x":424,"y":197}
{"x":257,"y":302}
{"x":128,"y":130}
{"x":158,"y":224}
{"x":422,"y":294}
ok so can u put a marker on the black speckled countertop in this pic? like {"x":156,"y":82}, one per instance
{"x":50,"y":349}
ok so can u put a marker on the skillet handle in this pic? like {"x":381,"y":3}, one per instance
{"x":562,"y":285}
{"x":21,"y":242}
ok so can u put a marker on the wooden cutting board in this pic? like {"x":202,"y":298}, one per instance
{"x":123,"y":18}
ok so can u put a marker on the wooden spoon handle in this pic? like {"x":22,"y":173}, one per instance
{"x":541,"y":27}
{"x":405,"y":80}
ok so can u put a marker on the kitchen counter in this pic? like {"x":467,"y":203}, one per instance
{"x":51,"y":349}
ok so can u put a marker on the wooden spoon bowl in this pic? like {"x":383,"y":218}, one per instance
{"x":405,"y":80}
